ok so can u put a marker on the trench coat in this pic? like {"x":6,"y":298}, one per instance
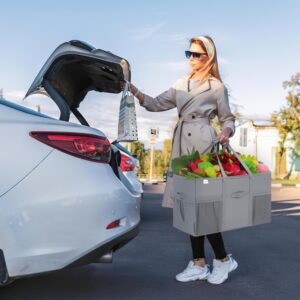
{"x":195,"y":110}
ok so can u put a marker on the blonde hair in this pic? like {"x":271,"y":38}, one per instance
{"x":211,"y":67}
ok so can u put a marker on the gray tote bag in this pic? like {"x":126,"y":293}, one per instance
{"x":209,"y":205}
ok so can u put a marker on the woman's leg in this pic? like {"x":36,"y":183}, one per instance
{"x":198,"y":270}
{"x":216,"y":241}
{"x":198,"y":249}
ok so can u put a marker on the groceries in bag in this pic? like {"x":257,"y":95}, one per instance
{"x":195,"y":165}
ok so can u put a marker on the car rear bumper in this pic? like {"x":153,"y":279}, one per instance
{"x":90,"y":257}
{"x":112,"y":245}
{"x":48,"y":222}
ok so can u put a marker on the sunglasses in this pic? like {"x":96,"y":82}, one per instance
{"x":188,"y":54}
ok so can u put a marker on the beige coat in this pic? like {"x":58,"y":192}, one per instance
{"x":195,"y":109}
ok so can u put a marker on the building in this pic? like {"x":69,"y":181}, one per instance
{"x":260,"y":138}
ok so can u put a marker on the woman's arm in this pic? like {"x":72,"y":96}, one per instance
{"x":162,"y":102}
{"x":226,"y":117}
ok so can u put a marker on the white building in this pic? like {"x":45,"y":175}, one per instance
{"x":260,"y":138}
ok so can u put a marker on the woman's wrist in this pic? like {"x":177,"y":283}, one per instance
{"x":227,"y":132}
{"x":137,"y":93}
{"x":133,"y":89}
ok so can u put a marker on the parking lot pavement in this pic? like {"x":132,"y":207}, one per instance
{"x":268,"y":257}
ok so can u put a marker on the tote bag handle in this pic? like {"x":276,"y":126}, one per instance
{"x":240,"y":160}
{"x":216,"y":149}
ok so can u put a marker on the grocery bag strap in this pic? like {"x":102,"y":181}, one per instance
{"x":216,"y":146}
{"x":216,"y":149}
{"x":239,"y":159}
{"x":221,"y":168}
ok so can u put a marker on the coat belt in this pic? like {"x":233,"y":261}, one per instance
{"x":192,"y":118}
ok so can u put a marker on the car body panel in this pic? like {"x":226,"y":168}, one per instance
{"x":48,"y":222}
{"x":19,"y":154}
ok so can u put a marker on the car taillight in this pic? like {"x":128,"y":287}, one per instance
{"x":113,"y":224}
{"x":126,"y":163}
{"x":85,"y":146}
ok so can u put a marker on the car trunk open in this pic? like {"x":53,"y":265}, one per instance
{"x":74,"y":69}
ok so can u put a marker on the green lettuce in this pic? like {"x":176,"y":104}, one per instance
{"x":181,"y":162}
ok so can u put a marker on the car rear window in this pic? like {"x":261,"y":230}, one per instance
{"x":23,"y":109}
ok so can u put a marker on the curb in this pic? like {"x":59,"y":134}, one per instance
{"x":273,"y":184}
{"x":151,"y":183}
{"x":285,"y":185}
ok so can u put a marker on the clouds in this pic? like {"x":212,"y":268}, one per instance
{"x":181,"y":38}
{"x":180,"y":65}
{"x":143,"y":33}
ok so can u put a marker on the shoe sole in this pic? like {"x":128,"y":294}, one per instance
{"x":235,"y":265}
{"x":193,"y":278}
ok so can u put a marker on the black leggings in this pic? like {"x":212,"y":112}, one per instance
{"x":216,"y":242}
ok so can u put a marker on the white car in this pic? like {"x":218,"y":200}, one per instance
{"x":63,"y":198}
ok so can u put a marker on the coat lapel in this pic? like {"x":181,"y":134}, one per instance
{"x":205,"y":86}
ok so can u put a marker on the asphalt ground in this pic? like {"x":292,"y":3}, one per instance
{"x":268,"y":257}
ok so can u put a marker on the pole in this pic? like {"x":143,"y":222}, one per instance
{"x":151,"y":160}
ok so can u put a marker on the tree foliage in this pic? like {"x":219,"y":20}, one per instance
{"x":287,"y":120}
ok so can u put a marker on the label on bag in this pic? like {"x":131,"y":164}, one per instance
{"x":205,"y":181}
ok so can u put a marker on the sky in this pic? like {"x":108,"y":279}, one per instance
{"x":257,"y":44}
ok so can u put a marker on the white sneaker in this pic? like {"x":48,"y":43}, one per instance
{"x":221,"y":270}
{"x":193,"y":272}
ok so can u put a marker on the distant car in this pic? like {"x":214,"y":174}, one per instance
{"x":165,"y":176}
{"x":63,"y":199}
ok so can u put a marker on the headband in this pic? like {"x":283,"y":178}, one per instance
{"x":207,"y":43}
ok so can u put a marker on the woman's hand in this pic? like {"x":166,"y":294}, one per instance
{"x":133,"y":89}
{"x":224,"y":136}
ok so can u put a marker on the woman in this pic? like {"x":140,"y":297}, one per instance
{"x":198,"y":96}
